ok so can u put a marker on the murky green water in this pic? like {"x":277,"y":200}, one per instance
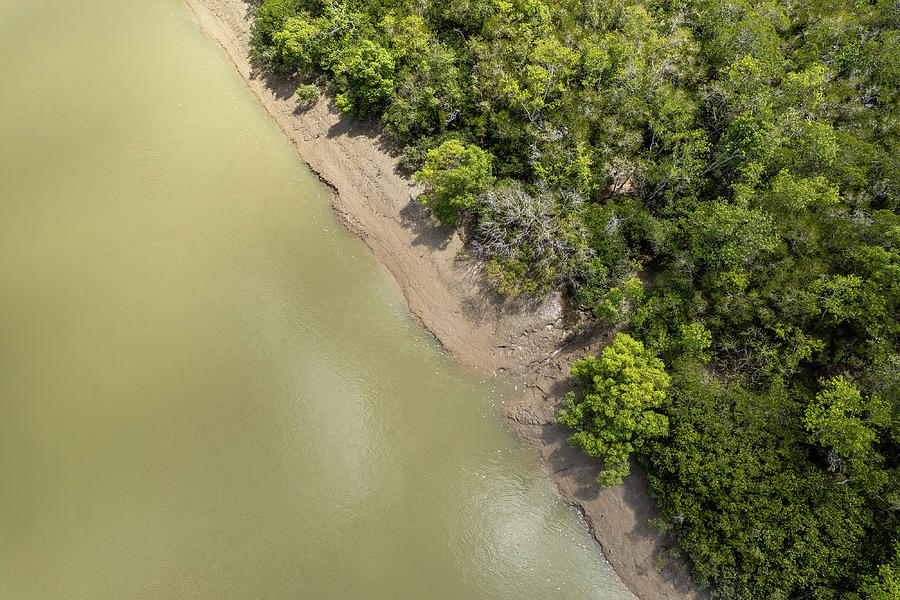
{"x":208,"y":390}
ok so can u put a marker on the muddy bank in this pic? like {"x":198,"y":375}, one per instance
{"x":534,"y":342}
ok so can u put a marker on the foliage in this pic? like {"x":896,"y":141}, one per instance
{"x":886,"y":584}
{"x":623,"y":391}
{"x":308,"y":92}
{"x":364,"y":72}
{"x":456,"y":174}
{"x":760,"y":519}
{"x":842,"y":420}
{"x":533,"y":241}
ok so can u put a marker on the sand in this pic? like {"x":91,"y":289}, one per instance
{"x":532,"y":342}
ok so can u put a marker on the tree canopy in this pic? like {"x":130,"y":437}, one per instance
{"x":456,"y":174}
{"x":623,"y":391}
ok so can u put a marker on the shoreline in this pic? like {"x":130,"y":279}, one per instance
{"x":531,"y":342}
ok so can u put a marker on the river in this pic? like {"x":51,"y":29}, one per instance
{"x":209,"y":389}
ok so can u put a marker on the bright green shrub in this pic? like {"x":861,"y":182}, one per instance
{"x":623,"y":392}
{"x":455,"y":174}
{"x":365,"y":76}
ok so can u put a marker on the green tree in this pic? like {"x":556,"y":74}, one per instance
{"x":427,"y":94}
{"x":886,"y":585}
{"x":365,"y":74}
{"x":624,"y":389}
{"x":843,"y":419}
{"x":696,"y":340}
{"x":456,"y":174}
{"x":296,"y":44}
{"x":727,"y":237}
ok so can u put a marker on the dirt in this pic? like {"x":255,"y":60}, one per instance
{"x":534,"y":341}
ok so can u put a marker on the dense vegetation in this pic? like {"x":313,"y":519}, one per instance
{"x":742,"y":157}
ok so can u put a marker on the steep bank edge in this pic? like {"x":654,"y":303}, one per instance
{"x":529,"y":341}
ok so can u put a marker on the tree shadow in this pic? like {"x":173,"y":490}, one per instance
{"x":370,"y":129}
{"x":304,"y":106}
{"x":428,"y":231}
{"x":559,"y":388}
{"x":280,"y":86}
{"x":675,"y":571}
{"x":251,"y":7}
{"x":582,"y":470}
{"x":350,"y":127}
{"x":484,"y":297}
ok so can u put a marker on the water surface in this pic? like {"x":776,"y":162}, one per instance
{"x":208,"y":389}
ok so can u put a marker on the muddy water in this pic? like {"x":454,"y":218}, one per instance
{"x":208,"y":389}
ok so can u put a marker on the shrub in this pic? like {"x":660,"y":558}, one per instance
{"x":535,"y":239}
{"x":308,"y":92}
{"x":623,"y":391}
{"x":456,"y":174}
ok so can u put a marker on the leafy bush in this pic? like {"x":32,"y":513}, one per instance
{"x":533,"y":241}
{"x":624,"y":391}
{"x":365,"y":74}
{"x":456,"y":175}
{"x":308,"y":92}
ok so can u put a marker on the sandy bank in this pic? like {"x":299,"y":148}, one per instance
{"x":535,"y":342}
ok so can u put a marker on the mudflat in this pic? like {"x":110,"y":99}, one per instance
{"x":533,"y":342}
